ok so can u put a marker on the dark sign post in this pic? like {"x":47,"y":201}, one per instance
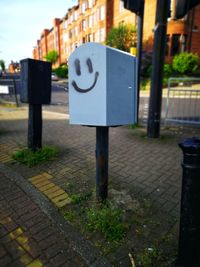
{"x":102,"y":147}
{"x":35,"y":90}
{"x":137,"y":6}
{"x":162,"y":12}
{"x":189,"y":233}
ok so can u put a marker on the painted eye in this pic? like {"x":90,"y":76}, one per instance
{"x":77,"y":67}
{"x":89,"y":63}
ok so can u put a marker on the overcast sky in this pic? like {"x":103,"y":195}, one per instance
{"x":22,"y":21}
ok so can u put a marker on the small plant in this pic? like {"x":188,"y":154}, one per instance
{"x":79,"y":198}
{"x":149,"y":258}
{"x":135,"y":126}
{"x":108,"y":221}
{"x":30,"y":158}
{"x":185,"y":63}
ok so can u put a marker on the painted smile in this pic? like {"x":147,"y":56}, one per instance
{"x":81,"y":90}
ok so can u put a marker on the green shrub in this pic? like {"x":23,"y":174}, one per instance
{"x":167,"y":70}
{"x":185,"y":63}
{"x":62,"y":71}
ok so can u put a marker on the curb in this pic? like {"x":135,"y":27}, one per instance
{"x":83,"y":247}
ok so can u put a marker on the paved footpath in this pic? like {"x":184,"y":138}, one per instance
{"x":27,"y":235}
{"x":30,"y":234}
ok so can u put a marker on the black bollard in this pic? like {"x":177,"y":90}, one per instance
{"x":189,"y":233}
{"x":35,"y":127}
{"x":102,"y":135}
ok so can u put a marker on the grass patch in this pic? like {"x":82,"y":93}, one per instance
{"x":30,"y":158}
{"x":108,"y":221}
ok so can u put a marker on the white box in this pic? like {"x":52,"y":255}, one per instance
{"x":102,"y":86}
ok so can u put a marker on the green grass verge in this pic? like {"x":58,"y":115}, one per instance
{"x":30,"y":158}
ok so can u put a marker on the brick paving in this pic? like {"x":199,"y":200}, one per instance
{"x":27,"y":236}
{"x":137,"y":165}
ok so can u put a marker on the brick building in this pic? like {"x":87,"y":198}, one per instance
{"x":91,"y":20}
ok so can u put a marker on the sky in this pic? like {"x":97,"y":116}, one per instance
{"x":22,"y":21}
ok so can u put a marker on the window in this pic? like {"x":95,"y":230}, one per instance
{"x":175,"y":48}
{"x":75,"y":15}
{"x":90,"y":37}
{"x":83,"y":7}
{"x":167,"y":45}
{"x":90,"y":2}
{"x":121,"y":6}
{"x":65,"y":37}
{"x":102,"y":35}
{"x":102,"y":13}
{"x":94,"y":19}
{"x":76,"y":30}
{"x":83,"y":25}
{"x":90,"y":21}
{"x":183,"y":42}
{"x":97,"y":36}
{"x":65,"y":24}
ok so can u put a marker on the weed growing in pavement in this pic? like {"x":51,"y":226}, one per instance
{"x":150,"y":257}
{"x":134,"y":126}
{"x":79,"y":198}
{"x":108,"y":221}
{"x":30,"y":158}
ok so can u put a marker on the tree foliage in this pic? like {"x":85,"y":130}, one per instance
{"x":2,"y":64}
{"x":122,"y":37}
{"x":52,"y":56}
{"x":185,"y":63}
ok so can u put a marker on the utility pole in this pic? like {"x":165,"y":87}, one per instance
{"x":162,"y":11}
{"x":137,"y":6}
{"x":140,"y":20}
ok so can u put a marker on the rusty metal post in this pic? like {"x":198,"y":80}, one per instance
{"x":189,"y":233}
{"x":102,"y":143}
{"x":35,"y":127}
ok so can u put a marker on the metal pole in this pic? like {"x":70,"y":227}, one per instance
{"x":140,"y":20}
{"x":15,"y":92}
{"x":189,"y":233}
{"x":35,"y":127}
{"x":102,"y":143}
{"x":162,"y":11}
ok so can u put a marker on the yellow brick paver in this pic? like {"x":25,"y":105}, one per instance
{"x":51,"y":190}
{"x":26,"y":259}
{"x":63,"y":203}
{"x":39,"y":184}
{"x":54,"y":193}
{"x":35,"y":263}
{"x":46,"y":187}
{"x":16,"y":233}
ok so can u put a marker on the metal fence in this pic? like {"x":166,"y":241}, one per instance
{"x":9,"y":87}
{"x":183,"y":101}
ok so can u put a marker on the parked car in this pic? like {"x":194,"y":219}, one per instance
{"x":54,"y":77}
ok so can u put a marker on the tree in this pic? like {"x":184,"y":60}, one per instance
{"x":52,"y":56}
{"x":2,"y":64}
{"x":122,"y":37}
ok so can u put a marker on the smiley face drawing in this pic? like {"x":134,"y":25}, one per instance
{"x":77,"y":66}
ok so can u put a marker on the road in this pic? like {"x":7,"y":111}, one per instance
{"x":59,"y":98}
{"x":178,"y":106}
